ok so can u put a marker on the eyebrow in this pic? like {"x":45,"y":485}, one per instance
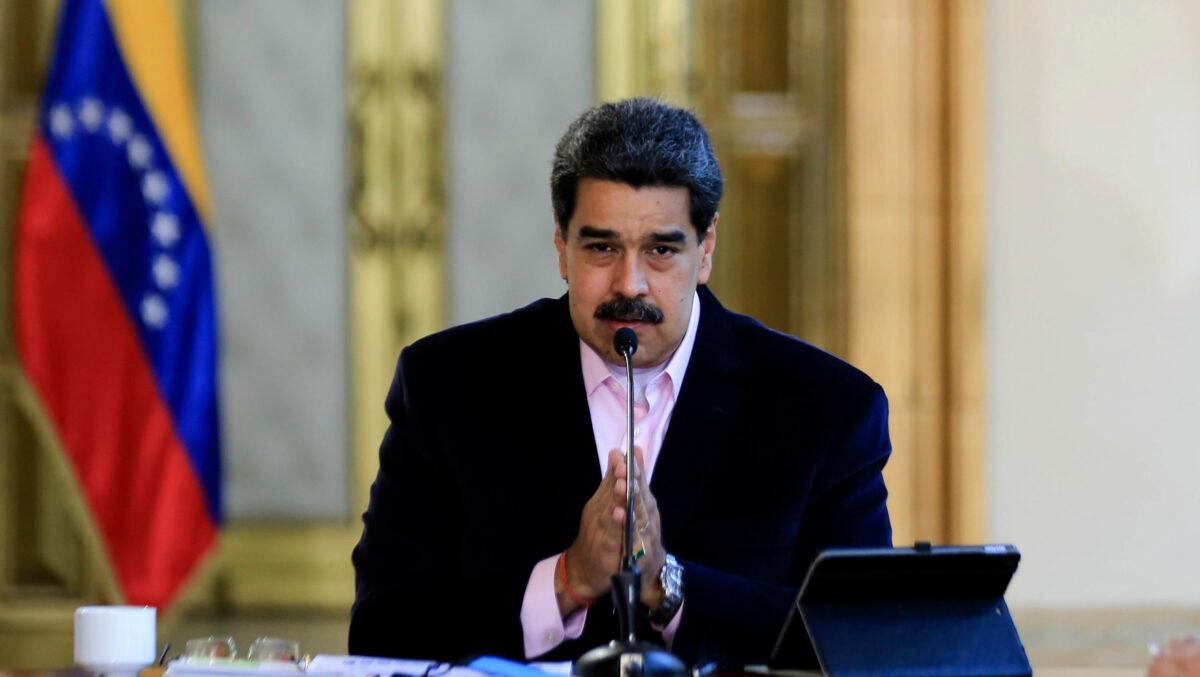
{"x":594,"y":233}
{"x":668,"y":237}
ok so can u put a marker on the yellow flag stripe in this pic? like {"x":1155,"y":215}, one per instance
{"x":150,"y":40}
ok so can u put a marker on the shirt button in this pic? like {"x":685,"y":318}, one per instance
{"x":550,"y":636}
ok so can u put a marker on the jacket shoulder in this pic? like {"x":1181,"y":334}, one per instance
{"x":789,"y":362}
{"x":497,"y":340}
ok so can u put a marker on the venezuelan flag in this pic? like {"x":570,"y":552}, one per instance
{"x":115,"y":313}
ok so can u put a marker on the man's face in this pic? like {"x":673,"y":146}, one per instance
{"x":631,"y":259}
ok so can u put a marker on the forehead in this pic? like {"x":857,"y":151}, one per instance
{"x":630,"y":211}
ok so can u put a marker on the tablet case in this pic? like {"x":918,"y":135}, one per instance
{"x":905,"y":611}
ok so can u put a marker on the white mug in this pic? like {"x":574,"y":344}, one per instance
{"x":115,"y":640}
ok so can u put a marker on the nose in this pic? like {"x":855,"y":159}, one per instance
{"x":629,"y":280}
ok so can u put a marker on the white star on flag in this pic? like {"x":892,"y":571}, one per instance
{"x":91,"y":113}
{"x":61,"y":122}
{"x":119,"y":126}
{"x":154,"y":311}
{"x":165,"y":228}
{"x":154,"y":187}
{"x":166,"y":272}
{"x":140,"y":152}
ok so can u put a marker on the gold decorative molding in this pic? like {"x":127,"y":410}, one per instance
{"x":851,"y":135}
{"x":37,"y":633}
{"x":764,"y":78}
{"x":914,"y":192}
{"x":396,"y":214}
{"x":279,"y":566}
{"x":396,"y":230}
{"x":50,"y":555}
{"x":966,"y":231}
{"x":643,"y":49}
{"x":397,"y":204}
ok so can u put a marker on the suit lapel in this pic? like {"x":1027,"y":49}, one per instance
{"x":700,"y":432}
{"x":568,"y":451}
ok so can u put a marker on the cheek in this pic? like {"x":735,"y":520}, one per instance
{"x":676,"y":287}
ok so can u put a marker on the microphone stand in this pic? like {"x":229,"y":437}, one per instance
{"x":628,"y":657}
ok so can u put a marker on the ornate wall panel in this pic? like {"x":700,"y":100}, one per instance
{"x":395,"y":228}
{"x":397,"y":202}
{"x":914,"y":265}
{"x":49,"y":563}
{"x":762,"y":75}
{"x":49,"y":557}
{"x":850,"y":135}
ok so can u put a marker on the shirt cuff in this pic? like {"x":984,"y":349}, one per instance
{"x":668,"y":632}
{"x":542,"y":624}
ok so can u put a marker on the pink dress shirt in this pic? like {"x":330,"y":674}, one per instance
{"x":656,"y":390}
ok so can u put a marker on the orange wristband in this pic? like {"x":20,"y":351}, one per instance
{"x":567,"y":586}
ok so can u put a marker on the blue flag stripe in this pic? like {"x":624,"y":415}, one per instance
{"x":143,"y":222}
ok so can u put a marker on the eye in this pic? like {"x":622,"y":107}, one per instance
{"x":601,"y":247}
{"x":663,"y":251}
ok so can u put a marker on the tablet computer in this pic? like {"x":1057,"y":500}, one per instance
{"x":921,"y":610}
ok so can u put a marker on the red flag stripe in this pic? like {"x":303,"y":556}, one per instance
{"x":84,"y":358}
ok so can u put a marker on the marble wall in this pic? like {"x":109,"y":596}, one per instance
{"x":518,"y":72}
{"x":1093,"y":285}
{"x":270,"y":82}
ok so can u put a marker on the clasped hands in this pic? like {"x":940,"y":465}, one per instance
{"x":585,"y":570}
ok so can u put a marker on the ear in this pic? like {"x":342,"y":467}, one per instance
{"x":707,"y":245}
{"x":561,"y":246}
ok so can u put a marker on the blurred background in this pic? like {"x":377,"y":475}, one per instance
{"x":991,"y":206}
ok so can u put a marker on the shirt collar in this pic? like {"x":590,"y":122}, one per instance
{"x":595,"y":373}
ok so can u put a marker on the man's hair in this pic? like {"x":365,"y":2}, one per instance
{"x":639,"y":142}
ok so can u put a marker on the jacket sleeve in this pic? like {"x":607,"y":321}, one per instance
{"x":414,"y":597}
{"x":734,"y":620}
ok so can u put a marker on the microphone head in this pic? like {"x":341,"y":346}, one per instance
{"x":625,"y":341}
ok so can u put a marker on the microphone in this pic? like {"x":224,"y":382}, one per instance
{"x":628,"y":657}
{"x":625,"y":342}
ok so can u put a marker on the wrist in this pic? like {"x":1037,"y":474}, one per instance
{"x":567,"y":585}
{"x":652,"y":595}
{"x":669,"y":587}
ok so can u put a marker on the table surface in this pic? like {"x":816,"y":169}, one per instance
{"x":1038,"y":672}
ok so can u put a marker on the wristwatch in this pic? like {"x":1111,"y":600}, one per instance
{"x":671,"y":579}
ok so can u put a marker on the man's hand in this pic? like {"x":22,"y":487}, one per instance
{"x":590,"y":562}
{"x":1180,"y":658}
{"x":647,"y":534}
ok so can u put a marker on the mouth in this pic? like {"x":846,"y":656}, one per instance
{"x":622,"y":324}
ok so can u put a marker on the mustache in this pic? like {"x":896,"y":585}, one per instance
{"x":623,"y":309}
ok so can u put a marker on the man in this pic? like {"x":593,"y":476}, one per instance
{"x":497,"y":516}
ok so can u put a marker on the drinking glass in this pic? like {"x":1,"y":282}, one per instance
{"x":274,"y":649}
{"x":213,"y":648}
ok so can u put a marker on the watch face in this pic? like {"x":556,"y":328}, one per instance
{"x":671,"y":578}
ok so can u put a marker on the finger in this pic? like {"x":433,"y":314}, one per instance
{"x":642,"y":514}
{"x":639,"y":457}
{"x":637,"y":462}
{"x":616,"y":463}
{"x":618,"y":515}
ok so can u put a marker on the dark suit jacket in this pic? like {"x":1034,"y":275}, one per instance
{"x":774,"y":452}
